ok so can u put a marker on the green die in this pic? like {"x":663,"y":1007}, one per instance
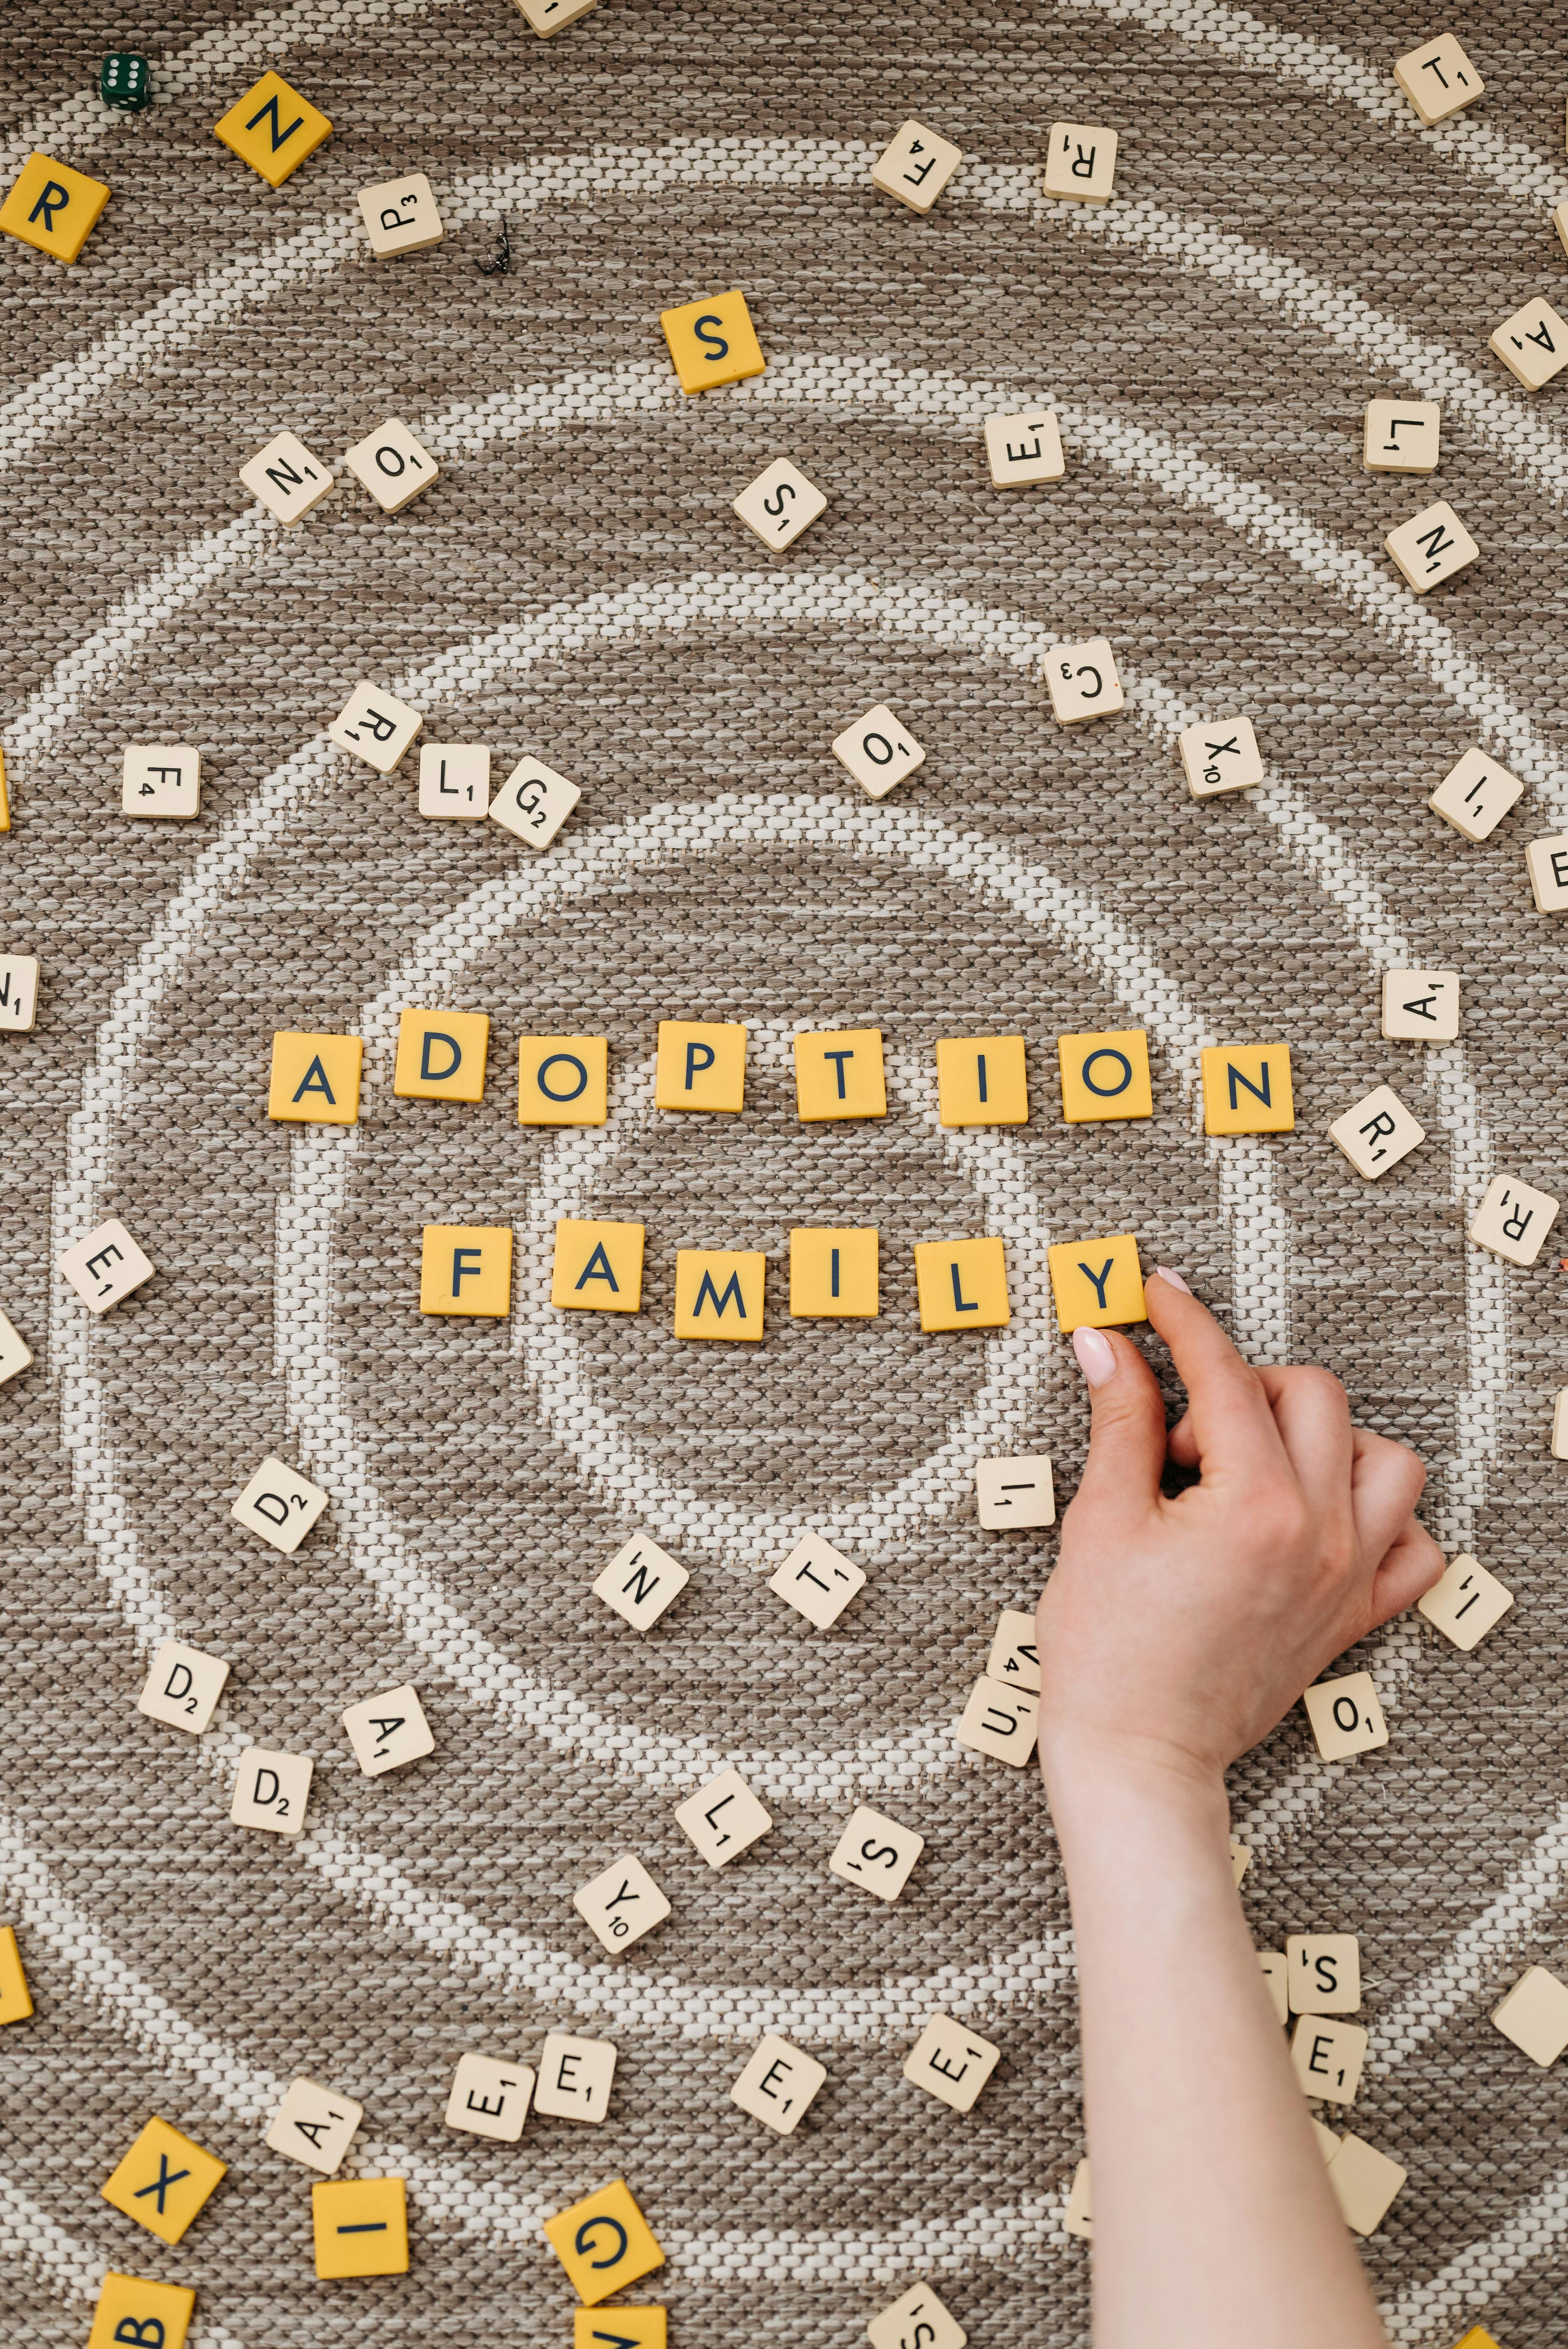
{"x":124,"y":79}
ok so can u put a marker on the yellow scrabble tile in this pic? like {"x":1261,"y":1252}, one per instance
{"x":1246,"y":1089}
{"x":701,"y":1064}
{"x":604,"y":2243}
{"x":164,"y":2181}
{"x":620,"y":2328}
{"x":1105,"y":1075}
{"x":441,"y":1055}
{"x":16,"y":1998}
{"x":361,"y":2226}
{"x":720,"y":1293}
{"x":833,"y":1275}
{"x":315,"y":1079}
{"x":52,"y":207}
{"x":1477,"y":2337}
{"x":562,"y":1079}
{"x":466,"y":1268}
{"x":598,"y":1266}
{"x":961,"y":1283}
{"x":839,"y":1073}
{"x":272,"y":129}
{"x":1096,"y":1284}
{"x":130,"y":2309}
{"x":713,"y":342}
{"x":981,"y":1080}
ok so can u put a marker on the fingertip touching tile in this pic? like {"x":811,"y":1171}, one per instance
{"x":1467,"y":1603}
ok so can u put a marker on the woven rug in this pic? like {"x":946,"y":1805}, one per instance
{"x":1284,"y":242}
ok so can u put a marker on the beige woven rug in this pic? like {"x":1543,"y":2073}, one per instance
{"x":1285,"y":241}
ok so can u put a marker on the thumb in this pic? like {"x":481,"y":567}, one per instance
{"x":1127,"y":1436}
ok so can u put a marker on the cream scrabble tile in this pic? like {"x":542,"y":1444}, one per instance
{"x":1328,"y":2055}
{"x":454,"y":781}
{"x":780,"y":504}
{"x":388,"y":1731}
{"x":1475,"y":795}
{"x":392,"y":465}
{"x":1023,"y":450}
{"x":15,"y":1354}
{"x":604,"y":2243}
{"x":271,"y":1791}
{"x":315,"y":2127}
{"x":489,"y":2097}
{"x":1346,"y":1716}
{"x":183,"y":1687}
{"x":1014,"y":1661}
{"x":723,"y":1819}
{"x":961,"y":1283}
{"x":16,"y":1998}
{"x":1513,"y":1219}
{"x":1080,"y":162}
{"x":575,"y":2076}
{"x":1437,"y":79}
{"x":1275,"y":1972}
{"x":18,"y":993}
{"x":621,"y":1904}
{"x":1082,"y":682}
{"x":640,"y":1581}
{"x":839,"y":1073}
{"x":533,"y":802}
{"x":286,"y":478}
{"x":165,"y":2181}
{"x":876,"y":1853}
{"x":1534,"y":2015}
{"x":161,"y":779}
{"x":818,"y":1580}
{"x":1365,"y":2183}
{"x":130,"y":2308}
{"x":105,"y":1267}
{"x":916,"y":166}
{"x":1421,"y":1006}
{"x":1221,"y":755}
{"x":1532,"y":345}
{"x":778,"y":2085}
{"x":1467,"y":1603}
{"x":982,"y":1080}
{"x":400,"y":216}
{"x":918,"y":2320}
{"x":272,"y":129}
{"x":1402,"y":436}
{"x":375,"y":726}
{"x":1241,"y":1860}
{"x":878,"y":752}
{"x":280,"y":1505}
{"x":548,"y":16}
{"x":440,"y":1055}
{"x":1377,"y":1133}
{"x":1015,"y":1493}
{"x":952,"y":2063}
{"x":360,"y":2227}
{"x":1432,"y":546}
{"x":1325,"y":2139}
{"x":1000,"y":1721}
{"x":1560,"y":223}
{"x":1546,"y":861}
{"x":713,"y":341}
{"x":1078,"y":2219}
{"x":1559,"y":1421}
{"x":1325,"y":1973}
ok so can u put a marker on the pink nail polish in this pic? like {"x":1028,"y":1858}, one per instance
{"x":1095,"y":1355}
{"x":1173,"y":1278}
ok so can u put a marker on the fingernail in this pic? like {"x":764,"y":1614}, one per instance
{"x":1173,"y":1278}
{"x":1095,"y":1355}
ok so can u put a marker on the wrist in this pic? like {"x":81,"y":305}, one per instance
{"x":1091,"y":1776}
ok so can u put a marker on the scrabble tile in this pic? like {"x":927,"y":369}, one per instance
{"x":950,"y":2062}
{"x":273,"y":129}
{"x":961,"y":1283}
{"x":1325,"y":1973}
{"x":162,"y":779}
{"x":15,"y":1354}
{"x":1534,"y":2015}
{"x":1475,"y":795}
{"x":1000,"y":1721}
{"x":604,"y":2243}
{"x":1078,"y":2219}
{"x":780,"y":504}
{"x":1082,"y":681}
{"x":271,"y":1791}
{"x":314,"y":2126}
{"x":1421,"y":1006}
{"x":1560,"y":223}
{"x":392,"y":465}
{"x":489,"y":2097}
{"x":1467,"y":1603}
{"x":16,"y":1998}
{"x":1080,"y":162}
{"x":1241,"y":1860}
{"x":598,"y":1268}
{"x":389,"y":1730}
{"x":375,"y":726}
{"x":575,"y":2076}
{"x":105,"y":1267}
{"x":1346,"y":1716}
{"x":1432,"y":546}
{"x":4,"y":797}
{"x":878,"y":752}
{"x":640,"y":1581}
{"x":1532,"y":345}
{"x":1014,"y":1657}
{"x":1402,"y":436}
{"x":52,"y":207}
{"x":1015,"y":1491}
{"x":1365,"y":2183}
{"x":1513,"y":1219}
{"x":18,"y":993}
{"x":1221,"y":755}
{"x":1547,"y":862}
{"x":1327,"y":2141}
{"x":1105,"y":1076}
{"x":1275,"y":1973}
{"x":1024,"y":450}
{"x":778,"y":2083}
{"x":839,"y":1073}
{"x":287,"y":478}
{"x":280,"y":1505}
{"x":314,"y":1078}
{"x":713,"y":342}
{"x":620,"y":2327}
{"x":1437,"y":79}
{"x":1247,"y":1089}
{"x":1477,"y":2337}
{"x":548,"y":16}
{"x":1328,"y":2054}
{"x":720,"y":1293}
{"x":833,"y":1275}
{"x":400,"y":216}
{"x":621,"y":1904}
{"x":982,"y":1080}
{"x":1096,"y":1284}
{"x":723,"y":1819}
{"x":876,"y":1853}
{"x":466,"y":1268}
{"x":562,"y":1079}
{"x":818,"y":1580}
{"x":1377,"y":1133}
{"x":360,"y":2226}
{"x":183,"y":1687}
{"x":441,"y":1055}
{"x":164,"y":2181}
{"x":701,"y":1064}
{"x":454,"y":781}
{"x":125,"y":80}
{"x":916,"y":166}
{"x":130,"y":2308}
{"x":918,"y":2320}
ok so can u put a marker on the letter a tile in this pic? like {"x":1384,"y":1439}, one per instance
{"x":314,"y":1078}
{"x":598,"y":1266}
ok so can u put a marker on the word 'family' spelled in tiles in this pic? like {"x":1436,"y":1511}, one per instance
{"x":713,"y":342}
{"x":1014,"y":1492}
{"x":1328,"y":2055}
{"x":375,"y":726}
{"x":183,"y":1687}
{"x":620,"y":2327}
{"x":1082,"y":681}
{"x":575,"y":2076}
{"x":915,"y":166}
{"x":1377,"y":1133}
{"x":1466,"y":1604}
{"x":288,"y":480}
{"x":604,"y":2243}
{"x":961,"y":1283}
{"x":548,"y":16}
{"x":780,"y":504}
{"x":466,"y":1268}
{"x":489,"y":2097}
{"x":15,"y":1354}
{"x":454,"y":781}
{"x":130,"y":2308}
{"x":1000,"y":1721}
{"x":833,"y":1275}
{"x":1402,"y":436}
{"x":1096,"y":1284}
{"x":1421,"y":1006}
{"x":1021,"y":449}
{"x":271,"y":1791}
{"x":1546,"y":861}
{"x":562,"y":1079}
{"x":982,"y":1080}
{"x":876,"y":1853}
{"x":1105,"y":1075}
{"x":1325,"y":1973}
{"x":878,"y":752}
{"x":1475,"y":795}
{"x":360,"y":2227}
{"x":1534,"y":2015}
{"x":1432,"y":546}
{"x":597,"y":1267}
{"x":621,"y":1904}
{"x":1365,"y":2183}
{"x":18,"y":993}
{"x":164,"y":2181}
{"x":161,"y":779}
{"x":314,"y":2126}
{"x":280,"y":1505}
{"x":723,"y":1819}
{"x":1346,"y":1716}
{"x":1437,"y":79}
{"x":818,"y":1580}
{"x":1533,"y":344}
{"x":839,"y":1074}
{"x":388,"y":1731}
{"x":52,"y":208}
{"x":16,"y":1998}
{"x":951,"y":2063}
{"x":640,"y":1581}
{"x":392,"y":465}
{"x":700,"y":1064}
{"x":272,"y":129}
{"x":105,"y":1267}
{"x":1513,"y":1219}
{"x":1080,"y":162}
{"x":1221,"y":755}
{"x":918,"y":2320}
{"x":720,"y":1293}
{"x":1014,"y":1658}
{"x":400,"y":216}
{"x":441,"y":1055}
{"x":778,"y":2083}
{"x":1247,"y":1089}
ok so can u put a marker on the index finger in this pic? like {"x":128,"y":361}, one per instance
{"x":1232,"y":1426}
